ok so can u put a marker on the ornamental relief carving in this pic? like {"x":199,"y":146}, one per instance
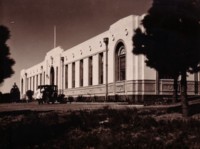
{"x":190,"y":88}
{"x":149,"y":87}
{"x":120,"y":88}
{"x":167,"y":87}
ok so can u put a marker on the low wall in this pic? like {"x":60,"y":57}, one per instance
{"x":135,"y":91}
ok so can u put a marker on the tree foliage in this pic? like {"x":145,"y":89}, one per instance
{"x":6,"y":62}
{"x":171,"y":40}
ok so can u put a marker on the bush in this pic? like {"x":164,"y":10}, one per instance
{"x":70,"y":99}
{"x":80,"y":98}
{"x":5,"y":98}
{"x":61,"y":98}
{"x":102,"y":129}
{"x":29,"y":94}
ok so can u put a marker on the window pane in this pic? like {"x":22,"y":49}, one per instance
{"x":120,"y":62}
{"x":122,"y":75}
{"x":122,"y":67}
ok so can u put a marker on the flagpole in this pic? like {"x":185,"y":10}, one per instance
{"x":54,"y":36}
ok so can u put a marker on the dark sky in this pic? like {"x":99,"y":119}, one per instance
{"x":31,"y":23}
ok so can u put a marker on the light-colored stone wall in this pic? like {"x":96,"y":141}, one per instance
{"x":140,"y":79}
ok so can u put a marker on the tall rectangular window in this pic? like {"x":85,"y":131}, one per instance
{"x":41,"y":79}
{"x":122,"y":65}
{"x":33,"y":83}
{"x":30,"y":79}
{"x":90,"y":70}
{"x":81,"y":72}
{"x":73,"y":74}
{"x":36,"y":81}
{"x":66,"y":76}
{"x":26,"y":84}
{"x":44,"y":78}
{"x":56,"y":75}
{"x":101,"y":68}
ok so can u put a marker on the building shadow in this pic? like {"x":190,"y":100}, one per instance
{"x":194,"y":108}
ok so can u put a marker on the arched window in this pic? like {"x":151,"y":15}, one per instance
{"x":120,"y":62}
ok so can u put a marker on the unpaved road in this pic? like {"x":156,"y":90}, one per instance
{"x":33,"y":106}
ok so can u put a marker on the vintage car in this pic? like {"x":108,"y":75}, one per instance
{"x":49,"y":94}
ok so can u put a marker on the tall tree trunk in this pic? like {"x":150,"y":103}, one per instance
{"x":184,"y":100}
{"x":175,"y":91}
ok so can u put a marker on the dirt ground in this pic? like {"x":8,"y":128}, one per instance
{"x":33,"y":106}
{"x":98,"y":126}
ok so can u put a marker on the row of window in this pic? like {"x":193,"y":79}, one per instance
{"x":90,"y":72}
{"x":120,"y":71}
{"x":120,"y":68}
{"x":33,"y":82}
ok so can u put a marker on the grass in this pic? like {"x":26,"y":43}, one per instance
{"x":99,"y":129}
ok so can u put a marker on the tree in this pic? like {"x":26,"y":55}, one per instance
{"x":29,"y":94}
{"x":6,"y":62}
{"x":170,"y":40}
{"x":15,"y":93}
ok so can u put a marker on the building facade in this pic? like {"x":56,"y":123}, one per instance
{"x":102,"y":65}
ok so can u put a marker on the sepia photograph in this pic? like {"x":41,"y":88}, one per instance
{"x":100,"y":74}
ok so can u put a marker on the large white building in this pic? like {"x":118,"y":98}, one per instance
{"x":81,"y":70}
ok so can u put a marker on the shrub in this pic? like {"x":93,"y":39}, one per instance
{"x":5,"y":98}
{"x":61,"y":98}
{"x":70,"y":99}
{"x":29,"y":94}
{"x":80,"y":98}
